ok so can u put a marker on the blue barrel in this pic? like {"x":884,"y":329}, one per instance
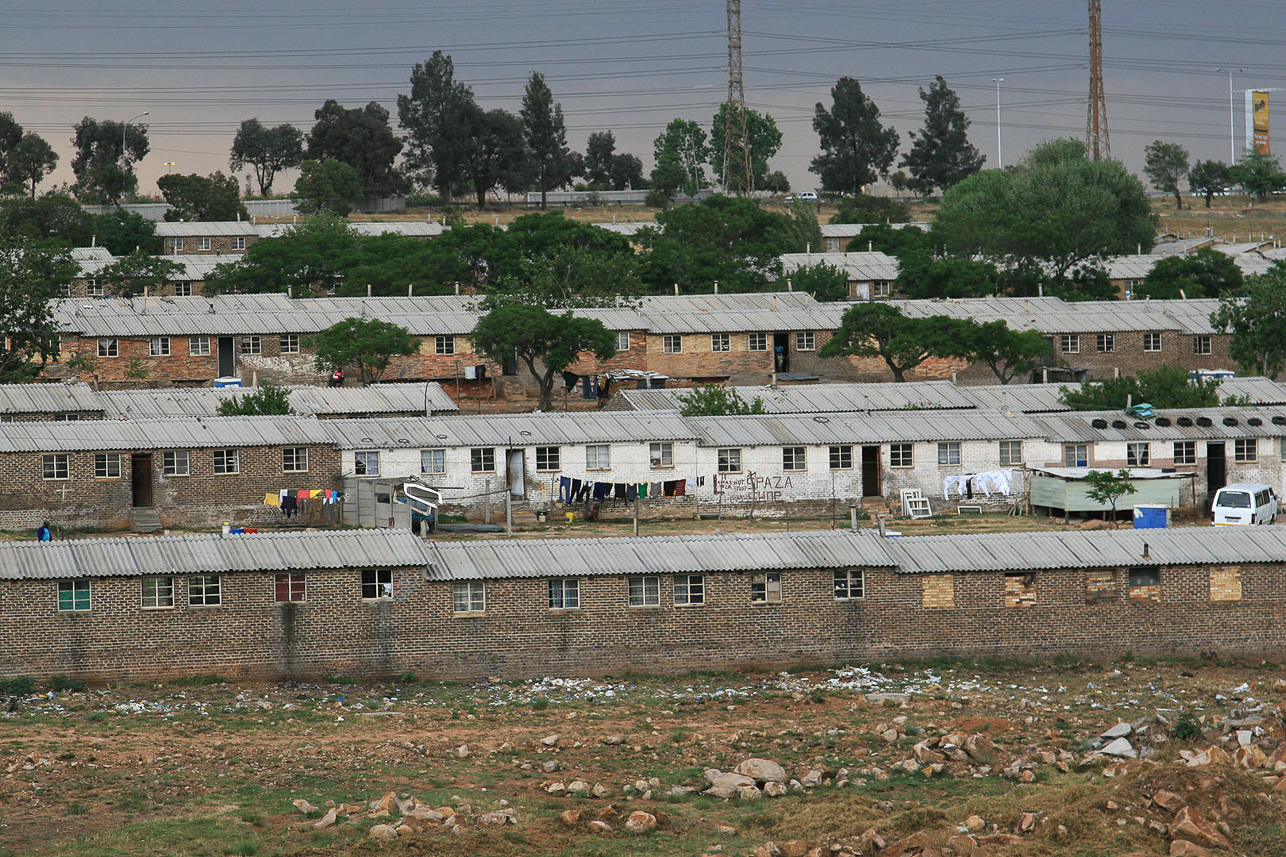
{"x":1151,"y":517}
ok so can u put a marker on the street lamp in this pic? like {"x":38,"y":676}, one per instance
{"x":168,"y":164}
{"x":1232,"y":125}
{"x":125,"y":130}
{"x":1000,"y":157}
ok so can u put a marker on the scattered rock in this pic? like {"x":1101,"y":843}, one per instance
{"x":383,"y":831}
{"x":749,"y":793}
{"x":912,"y":844}
{"x":461,"y":752}
{"x":1169,"y":801}
{"x":578,"y":787}
{"x":980,"y":749}
{"x":1026,"y":822}
{"x":556,"y":788}
{"x":1120,"y":748}
{"x":549,"y":766}
{"x":725,"y":830}
{"x":570,"y":817}
{"x":326,"y":820}
{"x":974,"y":823}
{"x":640,"y":822}
{"x":793,"y":848}
{"x":1184,"y":848}
{"x":813,"y":778}
{"x":1191,"y":825}
{"x":550,"y":740}
{"x":600,"y":827}
{"x":761,"y":770}
{"x":303,"y":806}
{"x":1120,"y":730}
{"x":775,"y":789}
{"x":611,"y":740}
{"x":498,"y":818}
{"x":601,"y":791}
{"x":726,"y":785}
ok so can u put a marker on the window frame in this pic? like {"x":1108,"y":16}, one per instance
{"x":844,"y":577}
{"x":250,"y":344}
{"x":805,"y":340}
{"x":672,"y":343}
{"x":622,"y":340}
{"x":689,"y":590}
{"x":765,"y":587}
{"x":198,"y":346}
{"x":296,"y":587}
{"x":475,"y":597}
{"x":1069,"y":343}
{"x":902,"y":455}
{"x":183,"y":289}
{"x":377,"y":584}
{"x":203,"y":242}
{"x":757,"y":341}
{"x":478,"y":459}
{"x":109,"y":346}
{"x":1072,"y":455}
{"x":226,"y":462}
{"x":292,"y":457}
{"x":1133,"y":457}
{"x":660,"y":454}
{"x":949,"y":453}
{"x":170,"y":462}
{"x":161,"y":595}
{"x":646,"y":594}
{"x":73,"y":590}
{"x":1105,"y":343}
{"x":238,"y":242}
{"x":444,"y":345}
{"x":93,"y":288}
{"x":1152,"y":343}
{"x":564,"y":593}
{"x":366,"y":462}
{"x":57,"y":463}
{"x":158,"y":346}
{"x":838,"y":453}
{"x":549,"y":459}
{"x":288,"y":343}
{"x":881,"y":288}
{"x":1184,"y":452}
{"x":1007,"y":448}
{"x":1245,"y":449}
{"x":434,"y":452}
{"x":729,"y":459}
{"x":1201,"y":344}
{"x":720,"y":343}
{"x":794,"y":459}
{"x":105,"y":463}
{"x":598,"y":456}
{"x":204,"y":593}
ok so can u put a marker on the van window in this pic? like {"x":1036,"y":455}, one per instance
{"x":1234,"y":500}
{"x":1261,"y":498}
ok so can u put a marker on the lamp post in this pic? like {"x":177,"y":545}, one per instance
{"x":168,"y":164}
{"x":1000,"y":157}
{"x":1232,"y":122}
{"x":125,"y":130}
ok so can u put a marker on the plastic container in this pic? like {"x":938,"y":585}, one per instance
{"x":1151,"y":517}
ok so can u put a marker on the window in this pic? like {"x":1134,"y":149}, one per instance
{"x":730,"y":461}
{"x":239,"y":243}
{"x":377,"y":583}
{"x":64,"y":290}
{"x":366,"y":462}
{"x":290,"y":587}
{"x":880,"y":289}
{"x":482,"y":460}
{"x":1282,"y":450}
{"x":73,"y":595}
{"x":433,"y":461}
{"x":227,"y":461}
{"x":564,"y":594}
{"x":444,"y":345}
{"x":294,"y":459}
{"x":203,"y":243}
{"x":900,"y":455}
{"x":720,"y":342}
{"x":793,"y":458}
{"x":1185,"y":452}
{"x":470,"y":596}
{"x":1011,"y":452}
{"x":108,"y":348}
{"x":1076,"y":455}
{"x":1151,"y":342}
{"x":158,"y":593}
{"x":689,"y":589}
{"x":1104,"y":342}
{"x":622,"y":340}
{"x":107,"y":465}
{"x":758,"y":341}
{"x":672,"y":343}
{"x":176,"y":245}
{"x":645,"y":592}
{"x":598,"y":456}
{"x":805,"y":340}
{"x":1144,"y":577}
{"x":160,"y":347}
{"x":548,"y":458}
{"x":841,"y":458}
{"x":1201,"y":345}
{"x":1245,"y":450}
{"x":199,"y":346}
{"x":949,"y":454}
{"x":660,"y":454}
{"x":1137,"y":455}
{"x":289,"y":343}
{"x":61,"y":418}
{"x":251,"y":345}
{"x":93,"y":288}
{"x":832,"y":245}
{"x":849,"y":584}
{"x":183,"y":290}
{"x":174,"y":463}
{"x":1070,"y":343}
{"x":765,"y":588}
{"x":204,"y":590}
{"x":55,"y":465}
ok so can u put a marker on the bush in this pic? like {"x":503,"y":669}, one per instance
{"x":23,"y":685}
{"x":1187,"y":727}
{"x":60,"y":683}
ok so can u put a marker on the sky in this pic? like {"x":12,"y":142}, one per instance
{"x":199,"y":69}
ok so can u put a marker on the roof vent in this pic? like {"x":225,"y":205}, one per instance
{"x":1099,"y":423}
{"x":1186,"y":422}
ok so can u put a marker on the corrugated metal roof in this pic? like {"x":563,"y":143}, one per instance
{"x":321,"y":401}
{"x":90,"y":254}
{"x":196,"y":433}
{"x":1256,"y":390}
{"x":1183,"y":424}
{"x":863,"y":267}
{"x":168,"y":229}
{"x":1130,"y":267}
{"x":1180,"y":246}
{"x":48,"y":398}
{"x":509,"y":430}
{"x":816,"y":398}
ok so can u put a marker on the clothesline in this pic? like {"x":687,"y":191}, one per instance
{"x":999,"y":480}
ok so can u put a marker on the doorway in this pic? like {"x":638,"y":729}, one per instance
{"x":516,"y":465}
{"x":871,"y":471}
{"x":781,"y":351}
{"x":1216,"y":469}
{"x":141,"y":477}
{"x":227,"y":358}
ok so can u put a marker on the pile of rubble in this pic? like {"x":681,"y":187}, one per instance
{"x":399,"y":816}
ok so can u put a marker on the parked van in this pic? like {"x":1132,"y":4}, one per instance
{"x":1245,"y":503}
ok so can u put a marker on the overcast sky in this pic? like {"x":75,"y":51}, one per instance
{"x":201,"y":68}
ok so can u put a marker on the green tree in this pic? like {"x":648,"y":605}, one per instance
{"x":10,"y":137}
{"x":432,"y":116}
{"x":268,"y":400}
{"x":51,"y":216}
{"x":362,"y":138}
{"x":776,"y":182}
{"x":546,"y":135}
{"x":900,"y":182}
{"x":104,"y":173}
{"x":682,"y":145}
{"x":138,"y":272}
{"x":1257,"y":322}
{"x":762,"y":135}
{"x":367,"y":343}
{"x":941,"y":155}
{"x":903,"y":243}
{"x":29,"y":161}
{"x":923,"y":276}
{"x":193,"y":198}
{"x":388,"y":264}
{"x":307,"y":257}
{"x":1007,"y":353}
{"x":1206,"y":273}
{"x":31,"y":273}
{"x":1260,"y":174}
{"x":881,"y":330}
{"x":600,"y":149}
{"x":123,"y":232}
{"x":713,"y":400}
{"x":824,"y":282}
{"x":532,"y":333}
{"x":1163,"y":387}
{"x":495,"y":154}
{"x":856,"y":148}
{"x":551,"y":258}
{"x":267,"y":150}
{"x":1166,"y":164}
{"x":1054,"y":211}
{"x":327,"y":187}
{"x":666,"y":182}
{"x":1209,"y":178}
{"x":1106,"y":488}
{"x":871,"y":209}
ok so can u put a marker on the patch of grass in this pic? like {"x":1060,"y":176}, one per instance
{"x":64,"y":684}
{"x":204,"y":680}
{"x":540,"y":703}
{"x":96,"y":717}
{"x":77,"y":808}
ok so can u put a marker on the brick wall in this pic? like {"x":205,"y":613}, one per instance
{"x":192,"y":245}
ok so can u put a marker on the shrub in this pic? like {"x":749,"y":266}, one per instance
{"x":60,"y":683}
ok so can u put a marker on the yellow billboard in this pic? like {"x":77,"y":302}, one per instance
{"x":1259,"y":109}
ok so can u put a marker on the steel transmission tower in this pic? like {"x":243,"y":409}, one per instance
{"x":1096,"y":120}
{"x":736,"y":146}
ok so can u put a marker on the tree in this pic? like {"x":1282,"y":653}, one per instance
{"x":305,"y":258}
{"x":31,"y":273}
{"x":683,"y":150}
{"x":1163,"y":387}
{"x":193,"y":198}
{"x":550,"y":260}
{"x":713,"y":400}
{"x":29,"y":161}
{"x":362,"y":138}
{"x":941,"y":156}
{"x":1105,"y":488}
{"x":1259,"y":173}
{"x":432,"y":115}
{"x":103,"y":171}
{"x":871,"y":209}
{"x":546,"y":135}
{"x":51,"y":216}
{"x":10,"y":137}
{"x":1007,"y":353}
{"x":1206,"y":273}
{"x":762,"y":135}
{"x":1209,"y":178}
{"x":123,"y":232}
{"x":367,"y":343}
{"x":776,"y":182}
{"x":881,"y":330}
{"x":1166,"y":164}
{"x":138,"y":272}
{"x":599,"y":151}
{"x":856,"y":148}
{"x":627,"y":172}
{"x":495,"y":154}
{"x":1257,"y":322}
{"x":327,"y":187}
{"x":532,"y":333}
{"x":904,"y":243}
{"x":268,"y":400}
{"x":923,"y":276}
{"x":824,"y":282}
{"x":268,"y":150}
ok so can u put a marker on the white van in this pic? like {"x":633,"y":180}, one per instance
{"x":1244,"y":503}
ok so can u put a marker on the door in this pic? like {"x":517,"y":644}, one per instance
{"x":227,"y":358}
{"x":781,"y":351}
{"x":515,"y":463}
{"x":871,"y":471}
{"x":141,"y":475}
{"x":1216,"y":469}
